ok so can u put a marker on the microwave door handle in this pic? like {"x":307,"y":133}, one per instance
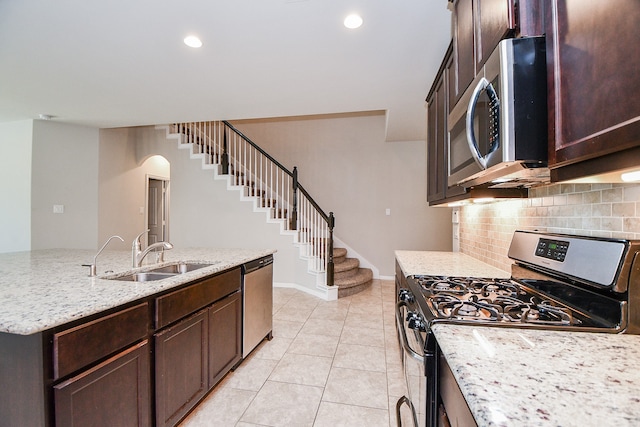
{"x":471,"y":137}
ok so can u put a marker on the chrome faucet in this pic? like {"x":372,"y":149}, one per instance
{"x":92,"y":267}
{"x":137,"y":254}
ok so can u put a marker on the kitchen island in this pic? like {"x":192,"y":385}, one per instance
{"x":47,"y":288}
{"x":513,"y":376}
{"x":76,"y":349}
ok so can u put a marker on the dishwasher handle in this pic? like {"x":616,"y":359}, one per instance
{"x":257,"y":264}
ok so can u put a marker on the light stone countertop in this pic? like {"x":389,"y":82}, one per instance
{"x":445,"y":264}
{"x":46,"y":288}
{"x":526,"y":378}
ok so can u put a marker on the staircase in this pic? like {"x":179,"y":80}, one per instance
{"x":349,"y":277}
{"x":275,"y":190}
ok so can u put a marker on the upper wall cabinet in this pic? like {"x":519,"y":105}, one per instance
{"x":479,"y":25}
{"x":593,"y":66}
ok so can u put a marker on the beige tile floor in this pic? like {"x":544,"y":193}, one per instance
{"x":330,"y":363}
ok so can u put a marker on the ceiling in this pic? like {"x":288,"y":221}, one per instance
{"x":122,"y":63}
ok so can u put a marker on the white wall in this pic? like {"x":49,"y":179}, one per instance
{"x":15,"y":186}
{"x":64,"y":172}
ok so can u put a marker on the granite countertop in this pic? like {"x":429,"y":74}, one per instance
{"x":517,"y":377}
{"x":445,"y":264}
{"x":45,"y":288}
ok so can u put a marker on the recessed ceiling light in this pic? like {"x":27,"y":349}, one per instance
{"x":353,"y":21}
{"x":192,"y":41}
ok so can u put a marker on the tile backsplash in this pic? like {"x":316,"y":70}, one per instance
{"x":603,"y":210}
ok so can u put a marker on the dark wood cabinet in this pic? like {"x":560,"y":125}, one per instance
{"x":116,"y":392}
{"x":436,"y":134}
{"x":438,"y":102}
{"x":479,"y":25}
{"x":196,"y":351}
{"x":181,"y":368}
{"x":225,"y":337}
{"x":463,"y":46}
{"x":494,"y":20}
{"x":594,"y":113}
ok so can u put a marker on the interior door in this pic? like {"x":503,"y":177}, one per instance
{"x":156,"y":210}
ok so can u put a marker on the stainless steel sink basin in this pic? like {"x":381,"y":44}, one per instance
{"x":179,"y":268}
{"x":160,"y":273}
{"x":146,"y":276}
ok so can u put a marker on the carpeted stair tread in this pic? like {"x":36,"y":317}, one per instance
{"x":355,"y":283}
{"x":346,"y":264}
{"x":339,"y":254}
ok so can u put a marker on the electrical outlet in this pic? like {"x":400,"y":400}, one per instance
{"x":58,"y":209}
{"x":387,"y":211}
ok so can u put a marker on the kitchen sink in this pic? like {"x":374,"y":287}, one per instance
{"x":160,"y":273}
{"x":146,"y":276}
{"x":179,"y":268}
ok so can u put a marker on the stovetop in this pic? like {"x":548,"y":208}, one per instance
{"x":494,"y":300}
{"x":558,"y":282}
{"x":538,"y":304}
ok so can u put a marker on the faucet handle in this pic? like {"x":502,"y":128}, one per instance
{"x":136,"y":242}
{"x":141,"y":234}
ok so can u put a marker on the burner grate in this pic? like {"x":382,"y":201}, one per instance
{"x":490,"y":300}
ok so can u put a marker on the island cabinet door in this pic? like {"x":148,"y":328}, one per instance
{"x":115,"y":393}
{"x":225,"y":337}
{"x":181,"y":368}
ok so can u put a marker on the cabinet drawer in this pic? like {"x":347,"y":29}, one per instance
{"x":88,"y":343}
{"x":116,"y":392}
{"x":181,"y":303}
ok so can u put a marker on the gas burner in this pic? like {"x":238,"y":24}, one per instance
{"x":468,"y":310}
{"x":438,"y":284}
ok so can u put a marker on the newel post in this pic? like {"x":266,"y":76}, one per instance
{"x":330,"y":266}
{"x":293,"y":224}
{"x":224,"y":160}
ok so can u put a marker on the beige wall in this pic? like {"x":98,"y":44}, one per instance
{"x":603,"y":210}
{"x":349,"y":169}
{"x":65,"y":172}
{"x":15,"y":185}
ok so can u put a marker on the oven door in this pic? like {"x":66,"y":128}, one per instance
{"x":414,"y":360}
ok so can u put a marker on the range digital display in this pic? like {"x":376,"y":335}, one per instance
{"x":552,"y":249}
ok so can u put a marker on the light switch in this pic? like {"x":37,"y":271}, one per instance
{"x":58,"y":209}
{"x":387,"y":211}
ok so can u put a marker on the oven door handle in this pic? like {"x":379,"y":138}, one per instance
{"x":403,"y":336}
{"x":404,"y":400}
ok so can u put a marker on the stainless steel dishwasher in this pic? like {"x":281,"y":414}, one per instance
{"x":257,"y":303}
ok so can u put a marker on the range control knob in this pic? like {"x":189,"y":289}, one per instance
{"x":405,"y":295}
{"x":416,"y":322}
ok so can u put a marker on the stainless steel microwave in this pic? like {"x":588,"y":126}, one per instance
{"x":498,"y":128}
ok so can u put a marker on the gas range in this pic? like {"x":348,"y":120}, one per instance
{"x":558,"y":282}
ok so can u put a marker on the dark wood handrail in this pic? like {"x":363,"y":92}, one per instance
{"x":319,"y":239}
{"x":284,"y":169}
